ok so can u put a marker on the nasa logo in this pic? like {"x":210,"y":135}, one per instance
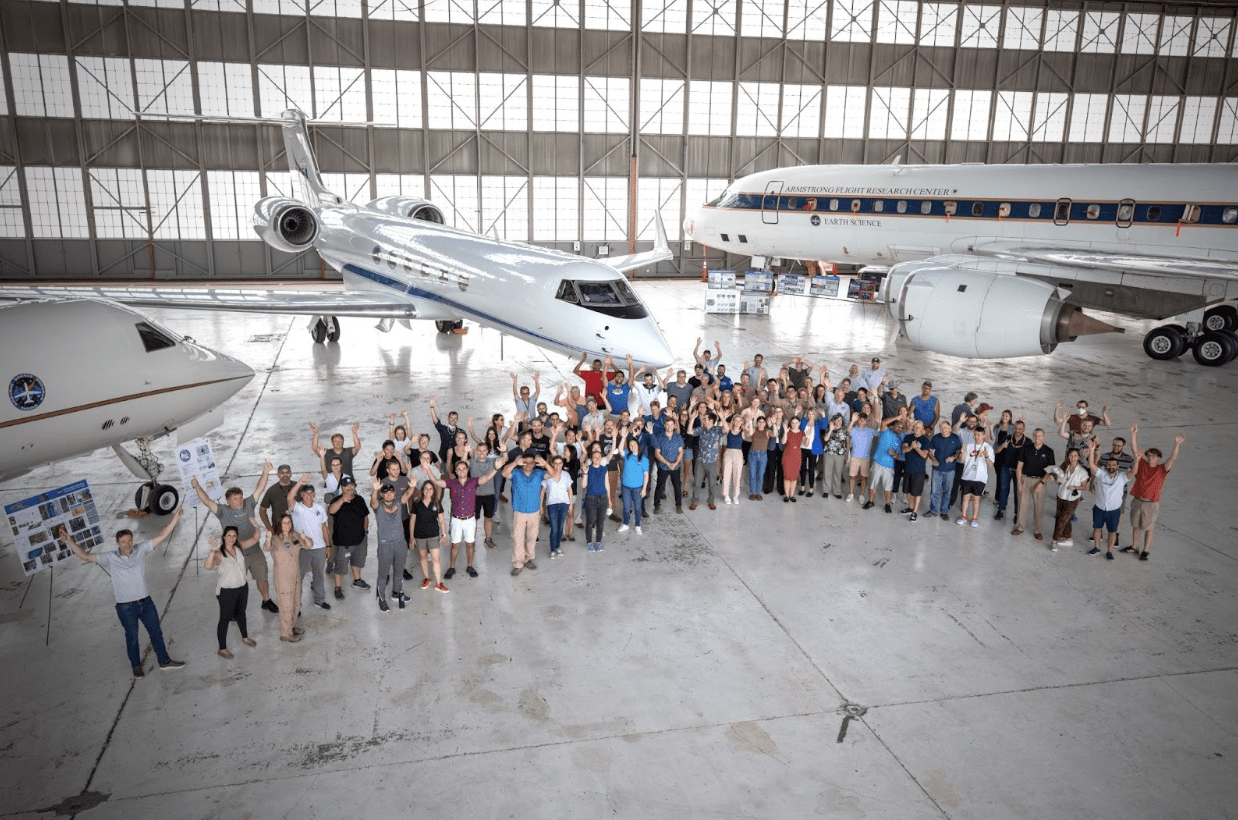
{"x":26,"y":391}
{"x":185,"y":455}
{"x":815,"y":220}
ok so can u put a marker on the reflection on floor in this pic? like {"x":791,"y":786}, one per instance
{"x":767,"y":660}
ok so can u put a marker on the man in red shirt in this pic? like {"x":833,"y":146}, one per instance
{"x":599,"y":376}
{"x":1150,"y":476}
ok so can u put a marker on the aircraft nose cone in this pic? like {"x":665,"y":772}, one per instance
{"x":231,"y":370}
{"x":689,"y":224}
{"x":655,"y":352}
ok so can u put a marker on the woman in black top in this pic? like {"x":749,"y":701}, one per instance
{"x":429,"y":533}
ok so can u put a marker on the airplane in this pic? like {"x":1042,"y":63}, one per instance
{"x":117,"y":377}
{"x":990,"y":261}
{"x":399,"y":261}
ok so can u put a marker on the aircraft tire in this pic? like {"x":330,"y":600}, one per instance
{"x":1221,"y":317}
{"x":319,"y":332}
{"x":1213,"y":349}
{"x":333,"y":335}
{"x":156,"y":499}
{"x":1164,"y":343}
{"x":445,"y":325}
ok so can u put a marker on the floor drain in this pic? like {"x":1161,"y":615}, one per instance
{"x":851,"y":711}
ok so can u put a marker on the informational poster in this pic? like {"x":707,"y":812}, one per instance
{"x":722,"y":279}
{"x":196,"y":460}
{"x":33,"y":520}
{"x":792,"y":284}
{"x":753,"y":302}
{"x":722,"y":301}
{"x":823,"y":286}
{"x":760,"y":281}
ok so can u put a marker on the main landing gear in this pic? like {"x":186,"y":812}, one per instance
{"x":152,"y":497}
{"x":324,"y":329}
{"x":448,"y":325}
{"x":1212,"y":342}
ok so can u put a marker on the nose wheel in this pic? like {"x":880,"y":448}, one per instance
{"x":156,"y":498}
{"x":448,"y":325}
{"x":324,"y":329}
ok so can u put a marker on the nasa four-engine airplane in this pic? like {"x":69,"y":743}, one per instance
{"x":399,"y":262}
{"x":116,"y":377}
{"x":989,"y":261}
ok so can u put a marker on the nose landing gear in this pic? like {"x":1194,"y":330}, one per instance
{"x":324,"y":329}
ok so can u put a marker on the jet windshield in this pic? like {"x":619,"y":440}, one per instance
{"x":614,"y":298}
{"x":154,"y":338}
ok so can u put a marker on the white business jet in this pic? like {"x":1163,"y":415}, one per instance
{"x":989,"y":261}
{"x":399,"y":262}
{"x":84,"y":374}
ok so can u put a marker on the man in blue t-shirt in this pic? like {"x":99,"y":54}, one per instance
{"x":525,"y":473}
{"x":945,"y":447}
{"x":617,"y":394}
{"x":916,"y":451}
{"x":668,"y":453}
{"x":889,"y":447}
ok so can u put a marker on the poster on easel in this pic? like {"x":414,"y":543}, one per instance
{"x":33,"y":520}
{"x":195,"y":459}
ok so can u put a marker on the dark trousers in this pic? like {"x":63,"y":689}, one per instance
{"x":773,"y":473}
{"x":676,"y":486}
{"x":957,"y":485}
{"x":130,"y":614}
{"x":232,"y":603}
{"x":1006,"y":480}
{"x":595,"y":517}
{"x":808,"y":470}
{"x":900,"y":470}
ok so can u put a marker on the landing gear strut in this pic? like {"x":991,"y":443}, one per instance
{"x":1212,"y":342}
{"x":324,"y":329}
{"x":448,"y":325}
{"x":152,"y":497}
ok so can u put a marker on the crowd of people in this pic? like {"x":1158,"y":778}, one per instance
{"x":602,"y":450}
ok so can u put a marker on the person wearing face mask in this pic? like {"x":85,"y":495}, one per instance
{"x":1075,"y":420}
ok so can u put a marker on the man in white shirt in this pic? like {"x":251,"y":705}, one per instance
{"x":127,"y":568}
{"x":1110,"y":491}
{"x":977,"y":462}
{"x":872,"y":377}
{"x":310,"y":520}
{"x":647,"y":391}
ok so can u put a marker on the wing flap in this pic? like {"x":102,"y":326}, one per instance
{"x":329,"y":301}
{"x":1093,"y":260}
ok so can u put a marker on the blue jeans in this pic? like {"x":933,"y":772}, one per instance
{"x":558,"y":517}
{"x":631,"y":503}
{"x":939,"y":498}
{"x":1006,"y":479}
{"x":756,"y":470}
{"x":144,"y":610}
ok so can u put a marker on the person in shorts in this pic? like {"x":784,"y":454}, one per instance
{"x":463,"y":528}
{"x":350,"y":535}
{"x":916,"y":451}
{"x":1150,"y":475}
{"x":889,"y":447}
{"x":241,"y":511}
{"x":977,"y":463}
{"x":487,"y":496}
{"x":862,"y":439}
{"x":1110,"y":491}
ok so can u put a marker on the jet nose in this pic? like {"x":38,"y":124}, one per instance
{"x":654,"y":352}
{"x":689,"y":224}
{"x":234,"y":370}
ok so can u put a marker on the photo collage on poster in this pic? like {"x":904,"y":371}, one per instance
{"x":32,"y":521}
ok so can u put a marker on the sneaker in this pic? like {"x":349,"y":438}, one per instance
{"x":945,"y":516}
{"x":888,"y":509}
{"x":270,"y":606}
{"x":726,"y":499}
{"x":610,"y":511}
{"x":1127,"y":549}
{"x":590,"y":548}
{"x":426,"y":584}
{"x":339,"y":593}
{"x":1108,"y":555}
{"x":850,"y":497}
{"x":382,"y":605}
{"x":449,"y":574}
{"x":473,"y":573}
{"x":962,"y":522}
{"x":530,"y":564}
{"x":360,"y":584}
{"x":914,"y":517}
{"x":975,"y":522}
{"x":1143,"y":556}
{"x":1066,"y":543}
{"x":324,"y":605}
{"x":516,"y":570}
{"x":138,"y":673}
{"x":554,"y":554}
{"x":441,"y":588}
{"x":638,"y":532}
{"x":1094,"y":551}
{"x":868,"y":505}
{"x":600,"y":547}
{"x":1053,"y":546}
{"x":623,"y":528}
{"x":1000,"y":515}
{"x":490,"y":544}
{"x":173,"y":665}
{"x":905,"y":511}
{"x":408,"y":576}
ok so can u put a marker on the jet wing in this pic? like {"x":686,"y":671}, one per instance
{"x":660,"y":253}
{"x":327,"y":299}
{"x":1086,"y":259}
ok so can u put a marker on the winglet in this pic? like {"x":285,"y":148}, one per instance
{"x":660,"y":253}
{"x":301,"y":161}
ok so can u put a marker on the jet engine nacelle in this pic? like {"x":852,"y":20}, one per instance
{"x":980,"y":314}
{"x":285,"y":224}
{"x":408,"y":207}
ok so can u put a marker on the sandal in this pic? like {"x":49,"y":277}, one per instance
{"x":223,"y":653}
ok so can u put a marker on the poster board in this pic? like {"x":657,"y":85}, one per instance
{"x":32,"y":520}
{"x":196,"y":459}
{"x":722,"y":301}
{"x":758,"y":281}
{"x":721,"y":279}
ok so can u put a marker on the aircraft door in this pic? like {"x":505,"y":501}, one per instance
{"x":769,"y":203}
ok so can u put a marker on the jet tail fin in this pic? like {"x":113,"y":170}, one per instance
{"x":660,"y":253}
{"x":301,"y":161}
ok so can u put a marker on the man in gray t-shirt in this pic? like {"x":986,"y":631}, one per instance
{"x":486,"y":499}
{"x":241,"y":511}
{"x":127,"y":568}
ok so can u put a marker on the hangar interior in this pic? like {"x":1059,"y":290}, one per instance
{"x":562,"y":123}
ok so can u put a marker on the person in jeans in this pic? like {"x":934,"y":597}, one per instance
{"x":597,"y":494}
{"x":634,"y":476}
{"x":310,"y":519}
{"x":1009,"y":445}
{"x":558,"y":488}
{"x":946,"y":448}
{"x":758,"y":453}
{"x":127,"y":567}
{"x":668,"y":453}
{"x":708,"y":440}
{"x":232,"y":590}
{"x":526,"y":506}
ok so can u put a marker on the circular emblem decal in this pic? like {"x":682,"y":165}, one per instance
{"x":815,"y":220}
{"x":26,"y":391}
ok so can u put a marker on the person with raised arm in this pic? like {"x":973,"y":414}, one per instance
{"x":1150,"y":475}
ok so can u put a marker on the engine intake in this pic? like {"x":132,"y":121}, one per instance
{"x":285,"y":224}
{"x":408,"y":207}
{"x":978,"y":314}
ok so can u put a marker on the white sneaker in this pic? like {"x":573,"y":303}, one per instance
{"x":726,"y":499}
{"x":1053,"y":546}
{"x":962,"y":522}
{"x":1065,"y":543}
{"x":623,"y":528}
{"x":610,"y":511}
{"x":850,"y":497}
{"x":638,"y":532}
{"x":975,"y":523}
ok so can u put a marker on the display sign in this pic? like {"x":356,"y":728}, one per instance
{"x":33,"y":520}
{"x":721,"y":279}
{"x":823,"y":286}
{"x":752,"y":302}
{"x":195,"y":459}
{"x":793,"y":284}
{"x":758,"y":281}
{"x":722,"y":301}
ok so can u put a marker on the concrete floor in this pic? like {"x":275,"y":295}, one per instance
{"x":701,"y":670}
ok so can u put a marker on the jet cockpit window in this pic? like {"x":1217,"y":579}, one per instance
{"x":153,"y":338}
{"x":598,"y":294}
{"x":614,"y":298}
{"x":567,"y":292}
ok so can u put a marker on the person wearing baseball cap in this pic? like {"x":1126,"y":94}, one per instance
{"x":350,"y":528}
{"x":872,"y":377}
